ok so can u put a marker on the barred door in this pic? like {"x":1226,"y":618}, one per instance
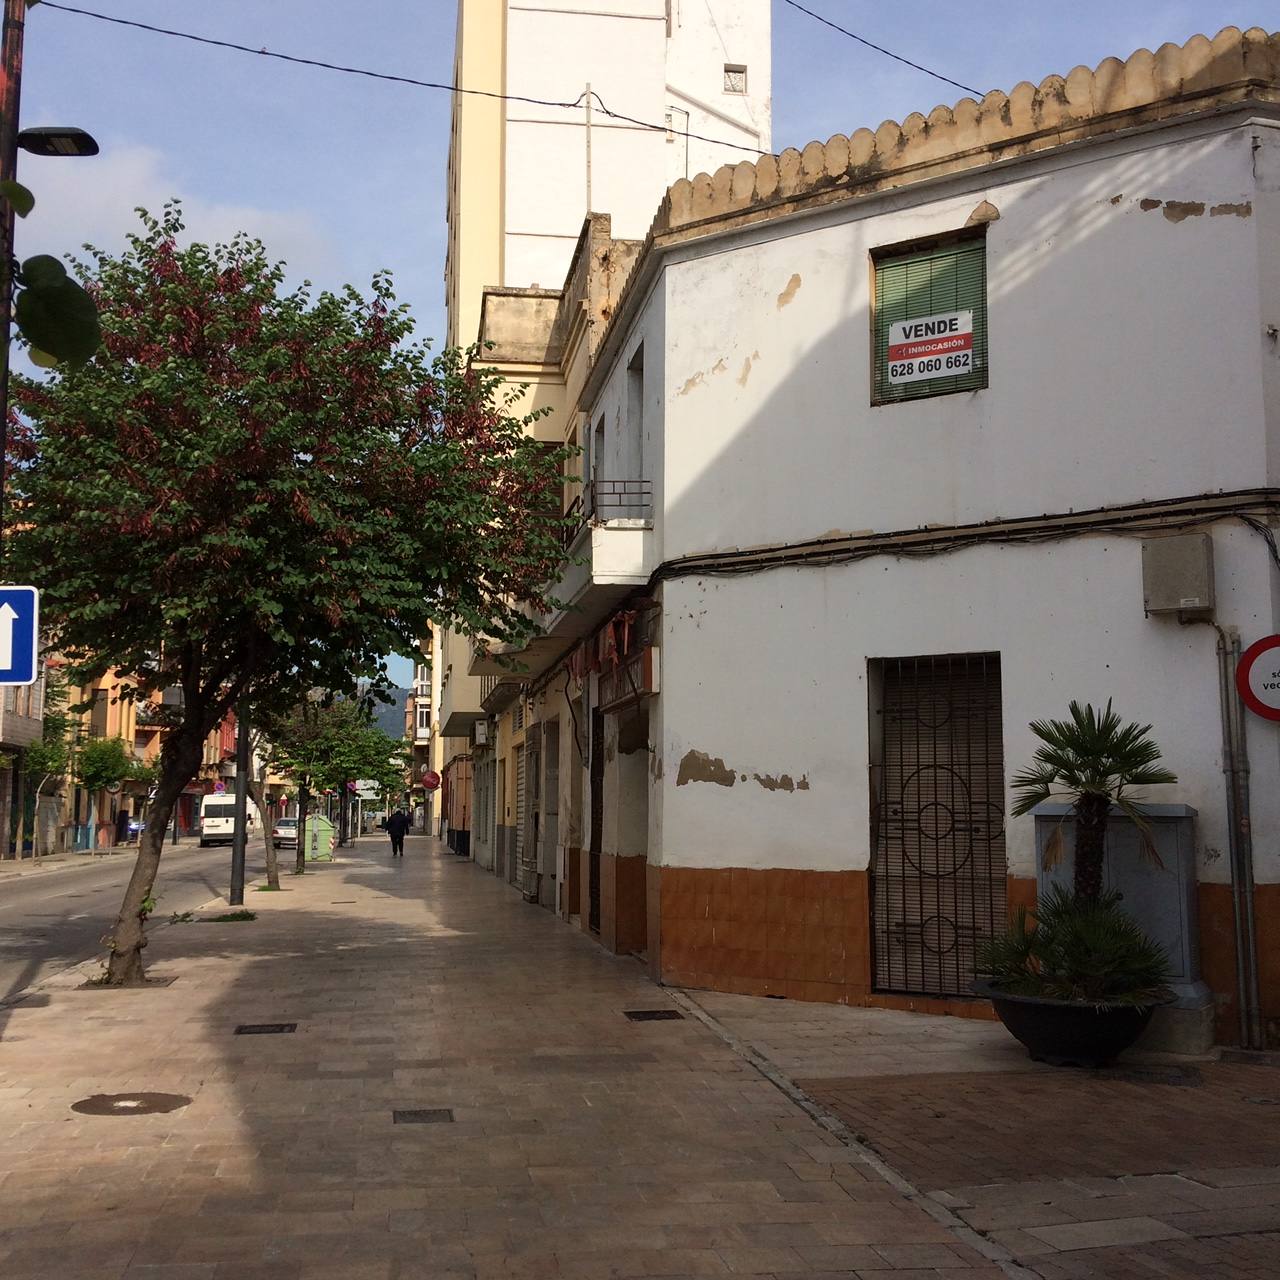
{"x":938,"y":871}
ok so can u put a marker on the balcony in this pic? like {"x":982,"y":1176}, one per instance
{"x":609,"y":555}
{"x":609,"y":552}
{"x":497,"y":693}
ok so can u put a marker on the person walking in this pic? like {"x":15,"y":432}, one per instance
{"x":397,"y":826}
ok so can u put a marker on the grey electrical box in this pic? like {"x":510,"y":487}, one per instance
{"x":1177,"y":574}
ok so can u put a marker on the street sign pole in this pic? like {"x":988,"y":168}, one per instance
{"x":239,"y":836}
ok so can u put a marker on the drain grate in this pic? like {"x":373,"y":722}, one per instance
{"x":436,"y":1115}
{"x":130,"y":1104}
{"x":265,"y":1028}
{"x":653,"y":1015}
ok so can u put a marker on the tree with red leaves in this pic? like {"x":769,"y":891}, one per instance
{"x":251,"y":493}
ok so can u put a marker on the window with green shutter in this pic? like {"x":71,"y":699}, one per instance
{"x":930,"y":321}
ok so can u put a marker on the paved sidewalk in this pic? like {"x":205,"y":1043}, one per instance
{"x":1159,"y":1167}
{"x":580,"y":1143}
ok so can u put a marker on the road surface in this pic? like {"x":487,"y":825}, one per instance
{"x":52,"y":919}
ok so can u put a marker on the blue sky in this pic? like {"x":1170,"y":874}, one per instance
{"x":341,"y":175}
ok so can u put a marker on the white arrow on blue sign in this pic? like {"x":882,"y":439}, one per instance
{"x":19,"y":635}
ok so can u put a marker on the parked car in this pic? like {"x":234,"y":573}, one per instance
{"x":285,"y":834}
{"x":136,"y":827}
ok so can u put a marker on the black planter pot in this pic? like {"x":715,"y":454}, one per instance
{"x":1064,"y":1033}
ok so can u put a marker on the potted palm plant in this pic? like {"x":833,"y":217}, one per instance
{"x":1079,"y":985}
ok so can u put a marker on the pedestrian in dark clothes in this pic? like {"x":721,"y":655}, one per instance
{"x":397,"y":826}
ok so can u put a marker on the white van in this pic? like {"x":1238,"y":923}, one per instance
{"x":218,"y":819}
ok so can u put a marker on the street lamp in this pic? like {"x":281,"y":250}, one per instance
{"x":45,"y":141}
{"x":57,"y":140}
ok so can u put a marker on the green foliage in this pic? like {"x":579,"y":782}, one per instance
{"x":51,"y":756}
{"x":231,"y":917}
{"x":280,"y":487}
{"x":99,"y":763}
{"x":54,"y":313}
{"x":18,"y":196}
{"x":1092,"y":952}
{"x":1092,"y":754}
{"x":326,"y":745}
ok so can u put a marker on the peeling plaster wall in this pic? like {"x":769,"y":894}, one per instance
{"x":767,"y":674}
{"x":1128,"y":362}
{"x":1124,"y":355}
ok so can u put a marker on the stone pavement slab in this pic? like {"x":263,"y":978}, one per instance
{"x":580,"y":1144}
{"x":1156,"y":1168}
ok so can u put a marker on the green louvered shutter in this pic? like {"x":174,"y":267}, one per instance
{"x":931,"y":282}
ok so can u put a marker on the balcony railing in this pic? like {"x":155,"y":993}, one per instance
{"x":608,"y":500}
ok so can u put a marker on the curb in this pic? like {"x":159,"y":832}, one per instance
{"x":827,"y":1120}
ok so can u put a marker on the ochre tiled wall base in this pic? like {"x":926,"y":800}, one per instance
{"x":800,"y":934}
{"x":1218,"y":957}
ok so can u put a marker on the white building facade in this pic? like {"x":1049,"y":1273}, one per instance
{"x":862,"y":579}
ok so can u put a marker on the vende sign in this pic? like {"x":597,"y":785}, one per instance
{"x":931,"y":347}
{"x":1258,"y":677}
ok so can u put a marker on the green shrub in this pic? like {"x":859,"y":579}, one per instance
{"x":1091,"y":951}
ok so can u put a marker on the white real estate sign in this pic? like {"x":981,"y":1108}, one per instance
{"x":931,"y":347}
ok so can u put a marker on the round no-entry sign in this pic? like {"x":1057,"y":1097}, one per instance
{"x":1258,"y":677}
{"x":430,"y":779}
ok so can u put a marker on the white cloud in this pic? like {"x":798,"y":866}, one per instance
{"x":92,"y":201}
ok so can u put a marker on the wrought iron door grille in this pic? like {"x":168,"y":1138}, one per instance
{"x":938,"y":867}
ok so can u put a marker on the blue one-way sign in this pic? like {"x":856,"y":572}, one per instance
{"x":19,"y":635}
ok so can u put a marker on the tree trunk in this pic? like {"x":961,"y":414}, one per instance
{"x":35,"y":830}
{"x":1091,"y":839}
{"x":177,"y":767}
{"x":259,"y":793}
{"x":300,"y":864}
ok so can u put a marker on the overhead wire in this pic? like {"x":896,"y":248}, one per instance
{"x":888,"y":53}
{"x":397,"y":79}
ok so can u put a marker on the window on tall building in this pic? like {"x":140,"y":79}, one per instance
{"x":930,"y":311}
{"x":735,"y":78}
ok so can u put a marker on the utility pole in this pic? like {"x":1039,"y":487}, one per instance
{"x":15,"y":15}
{"x":240,"y":836}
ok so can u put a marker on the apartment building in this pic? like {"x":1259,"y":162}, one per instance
{"x":521,"y":179}
{"x":892,"y":446}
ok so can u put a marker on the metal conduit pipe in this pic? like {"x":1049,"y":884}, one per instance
{"x":1235,"y":769}
{"x":1233,"y":842}
{"x":1245,"y":840}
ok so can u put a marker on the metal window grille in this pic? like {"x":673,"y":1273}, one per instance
{"x":938,"y":867}
{"x":929,"y":282}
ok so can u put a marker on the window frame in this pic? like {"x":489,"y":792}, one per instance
{"x":960,"y":238}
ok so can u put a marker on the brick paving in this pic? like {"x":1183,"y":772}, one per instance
{"x":582,"y":1144}
{"x":951,"y":1130}
{"x":1157,"y":1168}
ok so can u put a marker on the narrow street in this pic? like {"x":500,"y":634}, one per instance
{"x":55,"y":917}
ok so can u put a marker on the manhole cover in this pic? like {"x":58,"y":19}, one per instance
{"x":130,"y":1104}
{"x":266,"y":1028}
{"x":436,"y":1115}
{"x":653,"y":1015}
